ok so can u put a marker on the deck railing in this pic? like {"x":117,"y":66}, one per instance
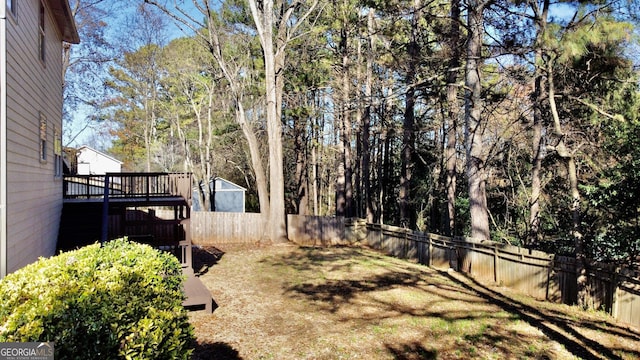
{"x":128,"y":185}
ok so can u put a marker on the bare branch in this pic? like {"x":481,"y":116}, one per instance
{"x":596,"y":108}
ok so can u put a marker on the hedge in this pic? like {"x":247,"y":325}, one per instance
{"x":119,"y":301}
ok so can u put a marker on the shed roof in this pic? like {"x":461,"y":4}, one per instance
{"x":228,"y":185}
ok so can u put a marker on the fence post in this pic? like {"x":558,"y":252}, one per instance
{"x":422,"y":248}
{"x":430,"y":251}
{"x":495,"y":263}
{"x":405,"y":248}
{"x":550,"y":266}
{"x":147,"y":186}
{"x":614,"y":293}
{"x":105,"y":212}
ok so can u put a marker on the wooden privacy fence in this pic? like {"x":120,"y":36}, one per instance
{"x":220,"y":228}
{"x":538,"y":274}
{"x":316,"y":230}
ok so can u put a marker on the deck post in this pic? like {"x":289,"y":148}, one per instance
{"x":105,"y":212}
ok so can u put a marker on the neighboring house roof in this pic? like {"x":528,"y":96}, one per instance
{"x":64,"y":20}
{"x":89,"y":148}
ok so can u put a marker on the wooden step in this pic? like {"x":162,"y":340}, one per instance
{"x":197,"y":295}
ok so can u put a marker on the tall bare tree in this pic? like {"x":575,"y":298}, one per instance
{"x":474,"y":124}
{"x":366,"y":120}
{"x":85,"y":64}
{"x":233,"y":69}
{"x":453,"y":113}
{"x":343,"y":11}
{"x":284,"y":19}
{"x":407,"y":216}
{"x":277,"y":24}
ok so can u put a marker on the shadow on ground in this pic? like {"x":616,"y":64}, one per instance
{"x":555,"y":325}
{"x":217,"y":350}
{"x":413,"y":351}
{"x":204,"y":257}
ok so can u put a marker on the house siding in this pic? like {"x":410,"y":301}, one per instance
{"x":34,"y":199}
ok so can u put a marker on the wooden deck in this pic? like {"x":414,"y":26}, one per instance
{"x":104,"y":207}
{"x":133,"y":201}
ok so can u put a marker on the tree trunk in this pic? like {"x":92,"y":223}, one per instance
{"x":366,"y":123}
{"x":407,"y":217}
{"x":346,"y":201}
{"x":263,"y":19}
{"x":537,"y":144}
{"x":565,"y":154}
{"x":453,"y":113}
{"x":256,"y":162}
{"x":202,"y":174}
{"x":301,"y":174}
{"x":316,"y":134}
{"x":344,"y":124}
{"x":340,"y":183}
{"x":536,"y":163}
{"x":384,"y":156}
{"x":584,"y":300}
{"x":474,"y":125}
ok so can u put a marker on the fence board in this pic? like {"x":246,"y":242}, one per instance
{"x":627,"y":301}
{"x":442,"y":254}
{"x":522,"y":269}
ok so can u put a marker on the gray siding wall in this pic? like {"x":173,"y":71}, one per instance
{"x":34,"y":200}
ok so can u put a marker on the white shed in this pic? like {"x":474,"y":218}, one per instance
{"x":227,"y":196}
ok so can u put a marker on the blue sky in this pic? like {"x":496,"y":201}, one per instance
{"x":96,"y":136}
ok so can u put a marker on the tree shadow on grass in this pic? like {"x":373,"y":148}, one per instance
{"x":217,"y":350}
{"x":413,"y":351}
{"x":332,"y":295}
{"x":336,"y":258}
{"x":554,"y":325}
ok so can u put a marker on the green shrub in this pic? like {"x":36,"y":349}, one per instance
{"x":123,"y":300}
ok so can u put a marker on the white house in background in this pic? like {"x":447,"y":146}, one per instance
{"x":32,"y":36}
{"x":94,"y":162}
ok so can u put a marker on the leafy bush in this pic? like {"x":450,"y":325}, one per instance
{"x":123,"y":300}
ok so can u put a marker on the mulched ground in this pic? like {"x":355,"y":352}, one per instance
{"x":286,"y":302}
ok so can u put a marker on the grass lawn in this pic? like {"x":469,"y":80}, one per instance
{"x":285,"y":302}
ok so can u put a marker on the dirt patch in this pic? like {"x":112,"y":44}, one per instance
{"x":285,"y":302}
